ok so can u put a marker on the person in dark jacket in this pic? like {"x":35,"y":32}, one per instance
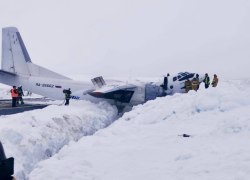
{"x":206,"y":81}
{"x":165,"y":82}
{"x":67,"y":94}
{"x":20,"y":95}
{"x":198,"y":79}
{"x":14,"y":96}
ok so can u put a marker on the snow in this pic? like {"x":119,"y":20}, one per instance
{"x":37,"y":135}
{"x":4,"y":94}
{"x":145,"y":142}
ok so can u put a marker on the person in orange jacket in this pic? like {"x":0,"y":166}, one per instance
{"x":14,"y":96}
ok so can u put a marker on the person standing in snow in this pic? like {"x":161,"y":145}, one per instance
{"x":197,"y":77}
{"x":188,"y":85}
{"x":195,"y":83}
{"x":29,"y":93}
{"x":14,"y":96}
{"x":67,"y":94}
{"x":165,"y":82}
{"x":215,"y":81}
{"x":206,"y":81}
{"x":20,"y":95}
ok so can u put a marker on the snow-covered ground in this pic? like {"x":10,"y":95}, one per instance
{"x":37,"y":135}
{"x":143,"y":144}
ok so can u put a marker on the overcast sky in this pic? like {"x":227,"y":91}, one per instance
{"x":134,"y":37}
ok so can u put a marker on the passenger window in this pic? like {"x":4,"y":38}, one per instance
{"x":183,"y":78}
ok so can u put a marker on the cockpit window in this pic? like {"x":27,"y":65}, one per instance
{"x":183,"y":76}
{"x":187,"y":76}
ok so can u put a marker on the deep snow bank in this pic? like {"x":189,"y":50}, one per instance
{"x":36,"y":135}
{"x":144,"y":143}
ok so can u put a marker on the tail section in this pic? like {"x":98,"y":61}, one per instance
{"x":15,"y":57}
{"x":14,"y":54}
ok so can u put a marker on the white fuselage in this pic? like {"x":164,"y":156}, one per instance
{"x":17,"y":69}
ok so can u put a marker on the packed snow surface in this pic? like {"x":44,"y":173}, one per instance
{"x":146,"y":143}
{"x":36,"y":135}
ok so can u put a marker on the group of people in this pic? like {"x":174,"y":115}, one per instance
{"x":194,"y":84}
{"x":17,"y":95}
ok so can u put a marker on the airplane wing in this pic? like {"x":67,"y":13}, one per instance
{"x":122,"y":93}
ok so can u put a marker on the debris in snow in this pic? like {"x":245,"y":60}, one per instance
{"x":185,"y":135}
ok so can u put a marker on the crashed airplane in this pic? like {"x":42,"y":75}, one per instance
{"x":18,"y":69}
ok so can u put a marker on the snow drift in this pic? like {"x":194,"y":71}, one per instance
{"x":37,"y":135}
{"x":144,"y":143}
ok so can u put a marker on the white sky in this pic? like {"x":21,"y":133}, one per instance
{"x":134,"y":37}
